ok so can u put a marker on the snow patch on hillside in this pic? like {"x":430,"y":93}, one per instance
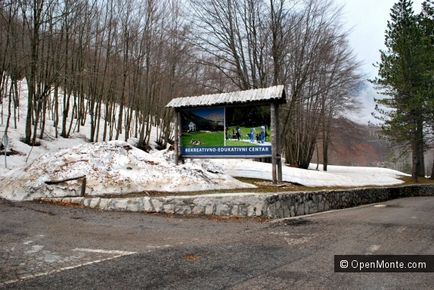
{"x":335,"y":176}
{"x":112,"y":168}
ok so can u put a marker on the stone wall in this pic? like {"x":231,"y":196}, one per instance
{"x":271,"y":205}
{"x":286,"y":205}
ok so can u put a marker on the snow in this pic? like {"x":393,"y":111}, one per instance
{"x":118,"y":167}
{"x":334,"y":176}
{"x":113,"y":167}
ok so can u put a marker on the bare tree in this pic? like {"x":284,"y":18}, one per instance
{"x":254,"y":43}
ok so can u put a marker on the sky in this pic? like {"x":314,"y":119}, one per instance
{"x":213,"y":114}
{"x":367,"y":20}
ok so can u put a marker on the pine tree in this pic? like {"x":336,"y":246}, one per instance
{"x":402,"y":77}
{"x":426,"y":20}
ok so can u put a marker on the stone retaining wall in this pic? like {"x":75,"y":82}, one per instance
{"x":301,"y":203}
{"x":271,"y":205}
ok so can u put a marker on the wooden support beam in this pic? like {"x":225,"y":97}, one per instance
{"x":278,"y":146}
{"x":83,"y":186}
{"x":273,"y":142}
{"x":83,"y":182}
{"x":177,"y":136}
{"x":49,"y":182}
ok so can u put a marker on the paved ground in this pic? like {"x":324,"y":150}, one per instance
{"x":51,"y":247}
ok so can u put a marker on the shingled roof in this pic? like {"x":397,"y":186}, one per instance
{"x":276,"y":93}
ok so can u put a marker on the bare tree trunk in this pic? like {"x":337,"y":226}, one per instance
{"x":16,"y":102}
{"x":98,"y":120}
{"x":136,"y":125}
{"x":66,"y":104}
{"x":112,"y":123}
{"x":326,"y":140}
{"x":325,"y":151}
{"x":420,"y":150}
{"x":37,"y":15}
{"x":415,"y":160}
{"x":56,"y":111}
{"x":44,"y":112}
{"x":432,"y":170}
{"x":73,"y":114}
{"x":128,"y":120}
{"x":9,"y":108}
{"x":92,"y":112}
{"x":106,"y":119}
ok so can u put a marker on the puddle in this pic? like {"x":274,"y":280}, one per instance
{"x":294,"y":222}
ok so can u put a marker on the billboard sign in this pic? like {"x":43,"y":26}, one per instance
{"x":226,"y":131}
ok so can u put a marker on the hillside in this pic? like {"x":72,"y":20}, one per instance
{"x":356,"y":145}
{"x":119,"y":168}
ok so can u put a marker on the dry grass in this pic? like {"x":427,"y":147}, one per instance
{"x":420,"y":180}
{"x":262,"y":186}
{"x":191,"y":258}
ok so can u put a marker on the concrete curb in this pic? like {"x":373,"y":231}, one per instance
{"x":270,"y":205}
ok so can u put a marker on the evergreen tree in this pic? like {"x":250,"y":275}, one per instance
{"x":403,"y":77}
{"x":426,"y":20}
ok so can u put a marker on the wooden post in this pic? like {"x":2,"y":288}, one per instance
{"x":178,"y":131}
{"x":273,"y":142}
{"x":83,"y":183}
{"x":224,"y":126}
{"x":278,"y":147}
{"x":83,"y":186}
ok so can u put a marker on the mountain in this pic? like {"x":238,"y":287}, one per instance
{"x":364,"y":95}
{"x":356,"y":144}
{"x":188,"y":116}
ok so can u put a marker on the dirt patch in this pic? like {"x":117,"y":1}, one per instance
{"x":191,"y":258}
{"x":62,"y":203}
{"x":420,"y":180}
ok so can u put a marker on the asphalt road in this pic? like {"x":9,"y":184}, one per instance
{"x":45,"y":246}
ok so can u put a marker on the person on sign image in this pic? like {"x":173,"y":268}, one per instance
{"x":252,"y":135}
{"x":262,"y":135}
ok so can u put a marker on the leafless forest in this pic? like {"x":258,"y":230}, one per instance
{"x":115,"y":64}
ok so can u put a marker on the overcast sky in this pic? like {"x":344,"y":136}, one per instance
{"x":367,"y":20}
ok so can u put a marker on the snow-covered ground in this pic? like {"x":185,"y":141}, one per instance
{"x":335,"y":175}
{"x":113,"y":167}
{"x":118,"y":167}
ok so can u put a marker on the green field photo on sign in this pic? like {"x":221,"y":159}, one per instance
{"x":245,"y":134}
{"x":248,"y":126}
{"x":202,"y":127}
{"x":205,"y":138}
